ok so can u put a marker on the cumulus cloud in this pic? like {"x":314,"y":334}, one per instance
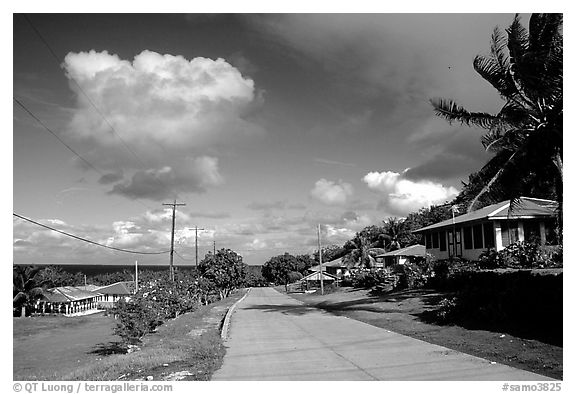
{"x":158,"y":184}
{"x":332,"y":193}
{"x":153,"y":116}
{"x":402,"y":196}
{"x":156,"y":98}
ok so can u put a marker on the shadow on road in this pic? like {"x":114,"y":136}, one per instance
{"x":285,"y":309}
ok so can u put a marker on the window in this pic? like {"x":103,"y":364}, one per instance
{"x":532,"y":231}
{"x":478,"y":244}
{"x":509,"y":232}
{"x":488,"y":235}
{"x":435,"y":243}
{"x":429,"y":241}
{"x":468,"y":237}
{"x":442,"y":241}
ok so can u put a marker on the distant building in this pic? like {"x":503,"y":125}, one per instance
{"x":404,"y":255}
{"x":68,"y":300}
{"x":334,"y":267}
{"x":495,"y":226}
{"x":312,"y":280}
{"x":111,"y":294}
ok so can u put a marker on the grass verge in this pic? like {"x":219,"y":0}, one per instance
{"x":405,"y":313}
{"x":189,"y":345}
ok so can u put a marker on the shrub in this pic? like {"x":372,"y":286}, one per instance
{"x":410,"y":275}
{"x":447,"y":310}
{"x":522,"y":255}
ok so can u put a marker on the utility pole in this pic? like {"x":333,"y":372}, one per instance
{"x":173,"y":205}
{"x":320,"y":261}
{"x":214,"y":247}
{"x":136,"y":277}
{"x":196,"y":243}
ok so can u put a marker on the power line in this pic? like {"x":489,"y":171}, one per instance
{"x":84,"y":239}
{"x":55,"y":135}
{"x":64,"y":143}
{"x":91,"y":102}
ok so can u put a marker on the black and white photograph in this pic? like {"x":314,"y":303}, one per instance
{"x":287,"y":196}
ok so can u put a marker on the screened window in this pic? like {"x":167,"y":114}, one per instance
{"x":468,"y":237}
{"x":442,"y":241}
{"x":488,"y":235}
{"x":435,"y":241}
{"x":429,"y":241}
{"x":477,"y":229}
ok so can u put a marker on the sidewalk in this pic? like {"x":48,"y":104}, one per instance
{"x":275,"y":337}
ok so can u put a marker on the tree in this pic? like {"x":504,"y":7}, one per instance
{"x":525,"y":67}
{"x":361,"y":251}
{"x":27,"y":287}
{"x":225,"y":269}
{"x":396,"y":232}
{"x":54,"y":276}
{"x":422,"y":218}
{"x":281,"y":268}
{"x":330,"y":253}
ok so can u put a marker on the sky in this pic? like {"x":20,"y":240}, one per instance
{"x":264,"y":125}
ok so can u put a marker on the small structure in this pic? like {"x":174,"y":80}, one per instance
{"x":68,"y":300}
{"x":495,"y":226}
{"x":335,"y":268}
{"x":111,"y":294}
{"x":404,"y":255}
{"x":312,"y":280}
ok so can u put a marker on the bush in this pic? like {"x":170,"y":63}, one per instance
{"x":381,"y":280}
{"x":522,"y":255}
{"x":155,"y":302}
{"x":410,"y":276}
{"x":447,"y":310}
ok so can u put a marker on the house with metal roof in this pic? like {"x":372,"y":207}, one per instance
{"x":111,"y":294}
{"x":403,"y":256}
{"x":335,"y":267}
{"x":68,"y":300}
{"x":495,"y":226}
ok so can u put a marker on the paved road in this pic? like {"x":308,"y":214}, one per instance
{"x":275,"y":337}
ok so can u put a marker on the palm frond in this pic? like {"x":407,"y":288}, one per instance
{"x":451,"y":111}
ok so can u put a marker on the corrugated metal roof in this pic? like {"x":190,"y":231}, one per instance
{"x":333,"y":263}
{"x":121,"y":288}
{"x":67,"y":294}
{"x":414,"y":250}
{"x":528,"y":207}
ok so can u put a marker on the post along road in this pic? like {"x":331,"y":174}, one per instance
{"x":275,"y":337}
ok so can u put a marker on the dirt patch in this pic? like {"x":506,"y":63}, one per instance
{"x":403,"y":312}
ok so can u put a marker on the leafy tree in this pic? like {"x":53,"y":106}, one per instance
{"x":27,"y":287}
{"x":279,"y":268}
{"x":330,"y":253}
{"x":225,"y":269}
{"x":422,"y":218}
{"x":525,"y":67}
{"x":54,"y":276}
{"x":395,"y":233}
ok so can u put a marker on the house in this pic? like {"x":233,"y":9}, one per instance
{"x":495,"y":226}
{"x":335,"y":268}
{"x":404,"y":255}
{"x":111,"y":294}
{"x":68,"y":300}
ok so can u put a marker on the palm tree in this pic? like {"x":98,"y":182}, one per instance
{"x":27,"y":287}
{"x":361,"y":251}
{"x":526,"y":135}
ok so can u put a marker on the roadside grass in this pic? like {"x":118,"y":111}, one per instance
{"x":405,"y":312}
{"x":188,"y":343}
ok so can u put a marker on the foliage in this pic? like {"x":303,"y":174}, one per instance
{"x":54,"y":276}
{"x":526,"y":135}
{"x":27,"y":287}
{"x":522,"y":255}
{"x":114,"y":277}
{"x":410,"y":276}
{"x":361,"y":251}
{"x":255,"y":280}
{"x":225,"y":270}
{"x":155,"y":302}
{"x":294,"y":276}
{"x":371,"y":278}
{"x":422,"y":218}
{"x":519,"y":302}
{"x":278,"y":268}
{"x":329,"y":253}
